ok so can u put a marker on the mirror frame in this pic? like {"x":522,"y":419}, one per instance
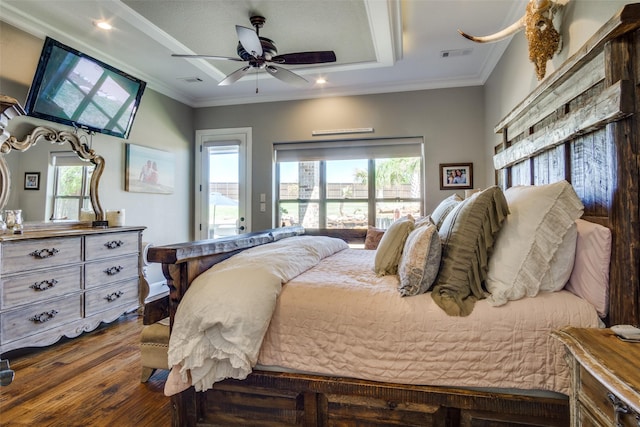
{"x":11,"y":108}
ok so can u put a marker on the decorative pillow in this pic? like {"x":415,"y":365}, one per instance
{"x":444,"y":208}
{"x":422,"y":221}
{"x":391,"y":245}
{"x":562,"y":263}
{"x":467,"y":236}
{"x":590,"y":276}
{"x":372,"y":240}
{"x":420,"y":260}
{"x":540,"y":218}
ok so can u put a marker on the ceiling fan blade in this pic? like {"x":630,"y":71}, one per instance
{"x":286,"y":75}
{"x":226,"y":58}
{"x":235,"y":76}
{"x":249,"y":40}
{"x":318,"y":57}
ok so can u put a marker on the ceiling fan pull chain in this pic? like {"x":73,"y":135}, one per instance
{"x":256,"y":81}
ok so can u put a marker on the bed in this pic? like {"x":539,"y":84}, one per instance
{"x":580,"y":126}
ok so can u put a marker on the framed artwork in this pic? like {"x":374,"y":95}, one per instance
{"x":32,"y":180}
{"x":148,"y":170}
{"x":456,"y":176}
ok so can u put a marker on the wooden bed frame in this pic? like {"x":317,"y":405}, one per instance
{"x":581,"y":124}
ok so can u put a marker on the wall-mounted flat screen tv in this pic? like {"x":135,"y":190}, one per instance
{"x":75,"y":89}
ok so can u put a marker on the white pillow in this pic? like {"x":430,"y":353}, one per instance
{"x":443,"y":209}
{"x":590,"y":276}
{"x":562,"y":263}
{"x":524,"y":252}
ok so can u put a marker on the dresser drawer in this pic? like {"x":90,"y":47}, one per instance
{"x":43,"y":253}
{"x":593,"y":395}
{"x":105,"y":298}
{"x":26,"y":288}
{"x":110,"y":244}
{"x":603,"y":404}
{"x":40,"y":317}
{"x":111,"y":270}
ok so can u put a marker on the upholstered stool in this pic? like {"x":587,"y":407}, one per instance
{"x":154,"y":345}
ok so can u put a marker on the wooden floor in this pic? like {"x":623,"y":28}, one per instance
{"x":92,"y":380}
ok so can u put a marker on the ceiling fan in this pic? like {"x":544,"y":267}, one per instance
{"x":261,"y":53}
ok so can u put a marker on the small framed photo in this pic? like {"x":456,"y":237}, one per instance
{"x":32,"y":180}
{"x":456,"y":176}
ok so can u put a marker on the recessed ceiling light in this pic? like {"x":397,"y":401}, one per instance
{"x":102,"y":25}
{"x":321,"y":80}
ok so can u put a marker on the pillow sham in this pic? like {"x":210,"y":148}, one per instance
{"x":372,"y":239}
{"x":420,"y":260}
{"x":562,"y":263}
{"x":467,"y":235}
{"x":526,"y":247}
{"x":590,"y":276}
{"x":422,"y":221}
{"x":444,"y":208}
{"x":391,"y":245}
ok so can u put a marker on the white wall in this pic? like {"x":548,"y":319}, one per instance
{"x":514,"y":77}
{"x":449,"y":120}
{"x":160,"y":123}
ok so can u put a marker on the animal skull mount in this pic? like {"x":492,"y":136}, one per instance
{"x":538,"y":23}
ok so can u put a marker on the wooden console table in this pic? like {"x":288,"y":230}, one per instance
{"x":605,"y":374}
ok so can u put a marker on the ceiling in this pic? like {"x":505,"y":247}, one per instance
{"x":380,"y":45}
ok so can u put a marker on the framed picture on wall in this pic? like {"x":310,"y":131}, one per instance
{"x":148,"y":170}
{"x":32,"y":180}
{"x":455,"y":176}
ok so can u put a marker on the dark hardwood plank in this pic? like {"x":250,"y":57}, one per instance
{"x":92,"y":380}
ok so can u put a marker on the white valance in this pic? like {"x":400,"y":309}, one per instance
{"x":343,"y":149}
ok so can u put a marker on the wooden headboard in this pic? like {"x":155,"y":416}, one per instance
{"x":581,"y":124}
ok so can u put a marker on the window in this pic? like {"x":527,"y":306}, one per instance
{"x":348,"y":184}
{"x":71,"y":184}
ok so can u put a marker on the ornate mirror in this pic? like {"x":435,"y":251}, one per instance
{"x":10,"y":108}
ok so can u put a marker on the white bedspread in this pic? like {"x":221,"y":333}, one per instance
{"x":340,"y":319}
{"x":221,"y":321}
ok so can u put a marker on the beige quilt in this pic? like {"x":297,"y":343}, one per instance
{"x":340,"y":319}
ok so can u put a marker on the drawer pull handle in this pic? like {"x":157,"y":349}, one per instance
{"x":44,"y":253}
{"x":44,"y":285}
{"x":44,"y":317}
{"x":114,"y":244}
{"x":114,"y":270}
{"x":619,"y":407}
{"x":114,"y":296}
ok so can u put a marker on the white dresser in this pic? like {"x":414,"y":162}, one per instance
{"x":63,"y":282}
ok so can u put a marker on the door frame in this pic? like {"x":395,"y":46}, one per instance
{"x":244,"y":137}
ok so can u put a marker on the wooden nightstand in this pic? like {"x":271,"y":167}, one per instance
{"x":605,"y":378}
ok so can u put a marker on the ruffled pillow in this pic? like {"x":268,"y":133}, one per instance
{"x":420,"y":260}
{"x":525,"y":251}
{"x":562,"y":263}
{"x":467,"y":236}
